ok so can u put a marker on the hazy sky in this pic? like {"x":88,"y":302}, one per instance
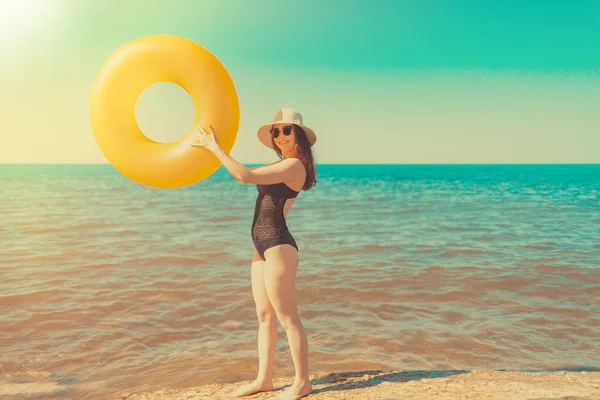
{"x":382,"y":81}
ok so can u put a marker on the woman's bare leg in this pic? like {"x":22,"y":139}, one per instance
{"x":267,"y":332}
{"x":280,"y":275}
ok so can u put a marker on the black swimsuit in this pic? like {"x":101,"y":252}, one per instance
{"x":268,"y":226}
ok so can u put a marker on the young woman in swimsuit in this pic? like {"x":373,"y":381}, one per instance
{"x":275,"y":259}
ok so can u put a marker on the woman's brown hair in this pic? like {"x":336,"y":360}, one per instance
{"x":305,"y":155}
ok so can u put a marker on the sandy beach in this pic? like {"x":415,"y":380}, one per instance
{"x":358,"y":385}
{"x":392,"y":385}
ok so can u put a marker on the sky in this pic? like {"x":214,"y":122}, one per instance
{"x":381,"y":81}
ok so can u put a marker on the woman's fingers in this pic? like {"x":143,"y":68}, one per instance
{"x":205,"y":138}
{"x":201,"y":129}
{"x":214,"y":135}
{"x":200,"y":139}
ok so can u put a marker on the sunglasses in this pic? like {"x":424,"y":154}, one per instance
{"x":287,"y":130}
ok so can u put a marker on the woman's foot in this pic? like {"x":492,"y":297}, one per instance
{"x":298,"y":390}
{"x":254,"y":387}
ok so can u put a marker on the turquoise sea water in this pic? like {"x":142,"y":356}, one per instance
{"x":109,"y":287}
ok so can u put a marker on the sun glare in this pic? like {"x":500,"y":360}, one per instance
{"x":20,"y":17}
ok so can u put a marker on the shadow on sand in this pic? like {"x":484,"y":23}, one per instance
{"x":563,"y":398}
{"x":410,"y":375}
{"x":381,"y":377}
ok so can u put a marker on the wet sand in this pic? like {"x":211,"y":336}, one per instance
{"x":431,"y":385}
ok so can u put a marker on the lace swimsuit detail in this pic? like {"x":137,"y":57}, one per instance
{"x":268,"y":226}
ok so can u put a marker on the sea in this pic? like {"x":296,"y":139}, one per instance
{"x":108,"y":287}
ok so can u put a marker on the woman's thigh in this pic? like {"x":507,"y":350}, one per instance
{"x":259,"y":292}
{"x":280,"y":275}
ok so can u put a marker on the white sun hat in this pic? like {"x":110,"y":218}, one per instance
{"x":285,"y":116}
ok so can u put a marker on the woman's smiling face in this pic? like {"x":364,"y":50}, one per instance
{"x":284,"y":142}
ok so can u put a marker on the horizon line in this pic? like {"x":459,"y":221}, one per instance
{"x":317,"y":164}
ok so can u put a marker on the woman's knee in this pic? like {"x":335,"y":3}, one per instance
{"x":265,"y":314}
{"x":287,"y":320}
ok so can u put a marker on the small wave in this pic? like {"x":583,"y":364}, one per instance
{"x":553,"y":268}
{"x":485,"y":238}
{"x":368,"y":248}
{"x":41,"y":231}
{"x":91,"y":225}
{"x":451,"y":296}
{"x":230,"y":325}
{"x":410,"y":211}
{"x":164,"y":260}
{"x":454,"y":253}
{"x":537,"y":247}
{"x":453,"y":228}
{"x":225,"y":219}
{"x":34,"y":297}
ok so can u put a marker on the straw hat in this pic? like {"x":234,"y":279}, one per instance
{"x":285,"y":116}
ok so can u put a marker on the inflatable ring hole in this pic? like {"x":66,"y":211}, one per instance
{"x":164,"y":112}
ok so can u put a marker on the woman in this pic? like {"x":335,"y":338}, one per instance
{"x":275,"y":259}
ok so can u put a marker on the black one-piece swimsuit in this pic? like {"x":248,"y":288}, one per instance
{"x":269,"y":228}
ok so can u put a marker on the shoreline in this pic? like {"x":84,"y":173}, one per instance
{"x":413,"y":384}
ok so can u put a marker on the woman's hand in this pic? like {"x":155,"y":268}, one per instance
{"x":205,"y":139}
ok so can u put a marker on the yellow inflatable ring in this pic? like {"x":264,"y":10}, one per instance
{"x":120,"y":82}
